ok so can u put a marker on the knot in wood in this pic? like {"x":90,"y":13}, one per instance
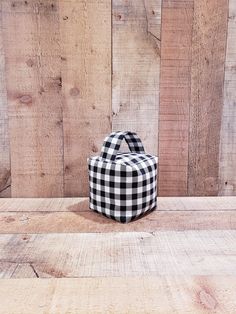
{"x":74,"y":91}
{"x":26,"y":99}
{"x":30,"y":63}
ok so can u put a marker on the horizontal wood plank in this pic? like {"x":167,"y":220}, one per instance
{"x":138,"y":295}
{"x":118,"y":254}
{"x":43,"y":204}
{"x":62,"y":222}
{"x":82,"y":204}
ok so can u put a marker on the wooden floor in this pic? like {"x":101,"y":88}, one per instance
{"x":56,"y":256}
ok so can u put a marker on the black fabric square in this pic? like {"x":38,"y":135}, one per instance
{"x":123,"y":197}
{"x":123,"y":185}
{"x":144,"y":194}
{"x":123,"y":174}
{"x":112,"y":184}
{"x":112,"y":172}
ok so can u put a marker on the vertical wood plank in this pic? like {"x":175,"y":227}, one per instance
{"x":207,"y":81}
{"x":177,"y":19}
{"x":86,"y":80}
{"x":5,"y":172}
{"x":227,"y":169}
{"x":31,"y":41}
{"x":136,"y":66}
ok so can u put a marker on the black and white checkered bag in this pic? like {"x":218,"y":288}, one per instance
{"x":123,"y":186}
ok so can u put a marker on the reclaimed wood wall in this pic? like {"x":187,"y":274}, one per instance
{"x":73,"y":70}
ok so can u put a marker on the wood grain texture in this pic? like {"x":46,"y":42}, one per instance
{"x":177,"y":20}
{"x":136,"y":67}
{"x":207,"y":81}
{"x":227,"y":166}
{"x":206,"y":252}
{"x":5,"y":168}
{"x":164,"y":294}
{"x":31,"y":35}
{"x":86,"y":81}
{"x":180,"y":271}
{"x":73,"y":70}
{"x":46,"y":204}
{"x":88,"y":221}
{"x":80,"y":204}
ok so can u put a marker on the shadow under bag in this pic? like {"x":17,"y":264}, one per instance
{"x":123,"y":186}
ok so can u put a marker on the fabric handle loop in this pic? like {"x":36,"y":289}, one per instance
{"x":112,"y":143}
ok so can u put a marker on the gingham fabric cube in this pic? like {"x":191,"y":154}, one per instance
{"x":123,"y":186}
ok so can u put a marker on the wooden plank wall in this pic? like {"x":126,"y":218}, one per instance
{"x":86,"y":83}
{"x":194,"y":39}
{"x":5,"y":168}
{"x":227,"y":175}
{"x":177,"y":19}
{"x":207,"y":83}
{"x":32,"y":56}
{"x":72,"y":71}
{"x":136,"y":68}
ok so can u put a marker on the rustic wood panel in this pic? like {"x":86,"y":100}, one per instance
{"x":227,"y":168}
{"x":207,"y":81}
{"x":119,"y":254}
{"x":74,"y":70}
{"x":82,"y":204}
{"x":136,"y":66}
{"x":47,"y":204}
{"x":5,"y":168}
{"x":86,"y":81}
{"x":185,"y":294}
{"x":31,"y":35}
{"x":176,"y":36}
{"x":88,"y":221}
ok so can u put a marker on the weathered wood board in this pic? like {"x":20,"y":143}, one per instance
{"x":81,"y":204}
{"x":73,"y":70}
{"x":206,"y":252}
{"x":207,"y":82}
{"x":164,"y":294}
{"x":85,"y":28}
{"x":188,"y":271}
{"x":135,"y":68}
{"x":176,"y":36}
{"x":32,"y":56}
{"x":5,"y":167}
{"x":227,"y":167}
{"x":74,"y":215}
{"x":88,"y":221}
